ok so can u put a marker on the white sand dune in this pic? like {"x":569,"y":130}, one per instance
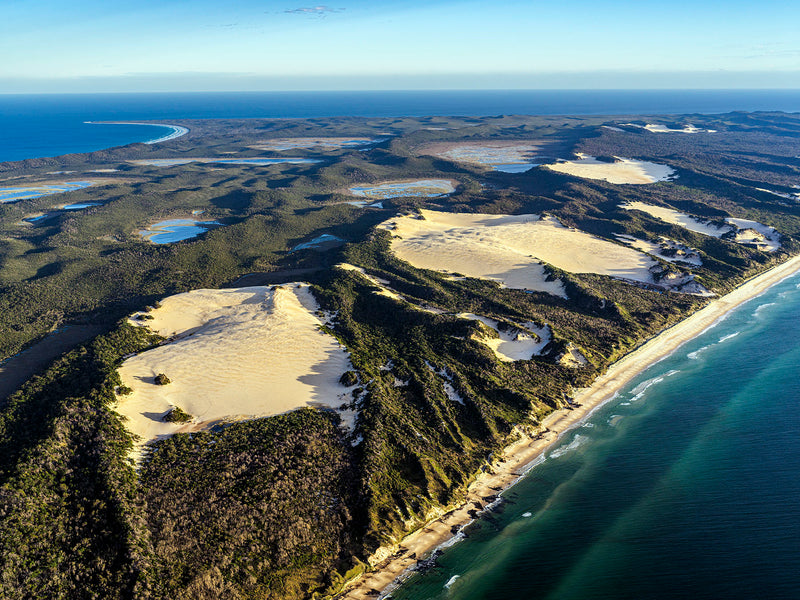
{"x":519,"y":343}
{"x":659,"y":128}
{"x":624,"y":170}
{"x":510,"y":249}
{"x":236,"y":354}
{"x":751,"y":233}
{"x":667,"y":249}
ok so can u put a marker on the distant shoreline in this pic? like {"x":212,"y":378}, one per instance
{"x":392,"y":564}
{"x":177,"y":130}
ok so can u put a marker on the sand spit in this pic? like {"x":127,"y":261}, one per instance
{"x":176,"y":131}
{"x":741,"y":231}
{"x":392,"y":563}
{"x":511,"y":249}
{"x":321,"y":143}
{"x":232,"y":354}
{"x":421,"y":188}
{"x":623,"y":170}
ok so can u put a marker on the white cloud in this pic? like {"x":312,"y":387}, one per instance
{"x":319,"y":11}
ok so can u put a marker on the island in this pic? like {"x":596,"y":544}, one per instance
{"x":289,"y":358}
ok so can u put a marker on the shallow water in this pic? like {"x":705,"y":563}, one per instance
{"x":171,"y":162}
{"x":176,"y":230}
{"x":13,"y":194}
{"x":424,"y":188}
{"x":686,"y":485}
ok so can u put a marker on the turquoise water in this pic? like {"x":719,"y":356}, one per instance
{"x":687,"y":485}
{"x":172,"y":162}
{"x":176,"y":230}
{"x":424,"y":188}
{"x":13,"y":194}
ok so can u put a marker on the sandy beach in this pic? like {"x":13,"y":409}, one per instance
{"x":177,"y":130}
{"x":391,"y":563}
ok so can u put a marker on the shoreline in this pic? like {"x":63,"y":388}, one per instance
{"x":177,"y":130}
{"x":392,"y":564}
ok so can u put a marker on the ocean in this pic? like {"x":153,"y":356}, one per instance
{"x":34,"y":126}
{"x":686,"y":485}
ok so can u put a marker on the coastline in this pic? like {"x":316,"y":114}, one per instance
{"x":177,"y":130}
{"x":391,"y":564}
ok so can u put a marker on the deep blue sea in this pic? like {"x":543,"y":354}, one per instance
{"x":685,"y":486}
{"x":49,"y":125}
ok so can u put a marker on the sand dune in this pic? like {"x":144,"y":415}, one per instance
{"x":667,"y":249}
{"x":751,"y":233}
{"x":236,"y":354}
{"x":624,"y":170}
{"x":510,"y":249}
{"x":659,"y":128}
{"x":512,"y":344}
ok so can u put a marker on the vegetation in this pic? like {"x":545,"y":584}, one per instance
{"x":292,"y":505}
{"x":177,"y":415}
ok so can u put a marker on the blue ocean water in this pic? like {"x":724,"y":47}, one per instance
{"x":49,"y":125}
{"x":687,"y":485}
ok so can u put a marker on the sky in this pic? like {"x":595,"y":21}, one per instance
{"x":249,"y":45}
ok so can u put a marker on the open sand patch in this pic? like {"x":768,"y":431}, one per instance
{"x":666,"y":249}
{"x":741,"y":231}
{"x":321,"y":143}
{"x":520,"y":342}
{"x":510,"y":249}
{"x":420,"y":188}
{"x":659,"y":128}
{"x":233,"y":354}
{"x":622,"y":170}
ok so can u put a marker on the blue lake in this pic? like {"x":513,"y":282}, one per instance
{"x":176,"y":230}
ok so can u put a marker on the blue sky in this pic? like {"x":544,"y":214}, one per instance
{"x":203,"y":45}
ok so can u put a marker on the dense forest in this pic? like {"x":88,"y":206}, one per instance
{"x":293,"y":505}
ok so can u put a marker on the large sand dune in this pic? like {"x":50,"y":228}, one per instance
{"x":623,"y":170}
{"x":236,"y":354}
{"x":510,"y":249}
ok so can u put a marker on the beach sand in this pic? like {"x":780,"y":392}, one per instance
{"x":391,"y":563}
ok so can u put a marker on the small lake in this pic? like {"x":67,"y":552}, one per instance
{"x":171,"y":162}
{"x":423,"y":188}
{"x":322,"y":143}
{"x":319,"y":243}
{"x":14,"y":194}
{"x":506,"y":158}
{"x":176,"y":230}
